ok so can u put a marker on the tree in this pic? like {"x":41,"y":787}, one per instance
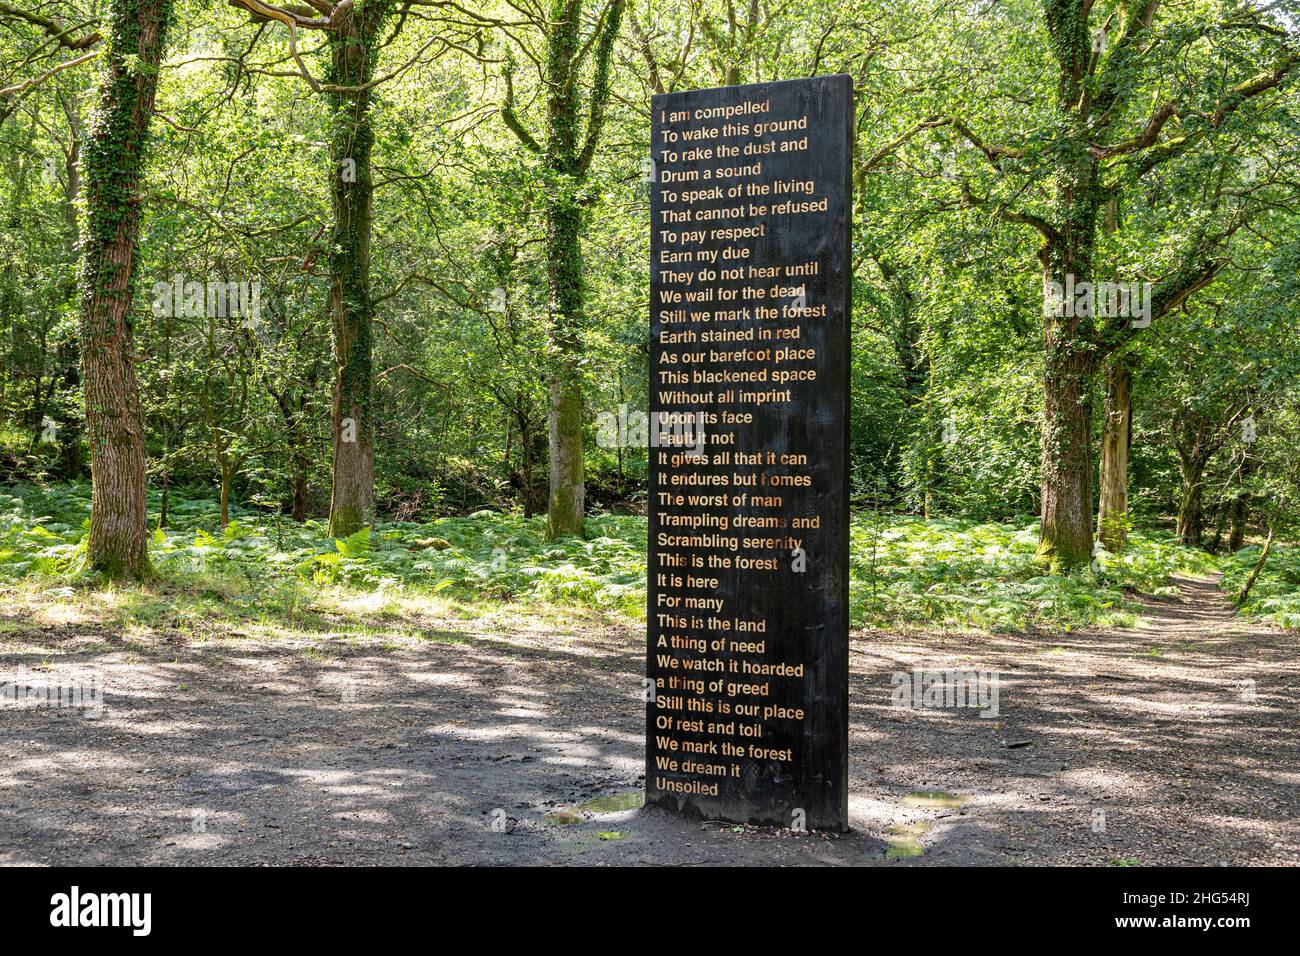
{"x":567,"y":155}
{"x":117,"y":545}
{"x":1219,"y":375}
{"x":1116,"y":437}
{"x":55,"y":37}
{"x":353,"y":37}
{"x":1098,"y":147}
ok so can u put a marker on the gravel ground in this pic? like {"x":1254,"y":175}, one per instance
{"x":1174,"y":743}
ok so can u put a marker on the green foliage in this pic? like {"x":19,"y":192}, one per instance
{"x":464,"y":281}
{"x":44,"y":544}
{"x":905,"y":571}
{"x":486,"y":556}
{"x":964,"y":574}
{"x":1276,"y":595}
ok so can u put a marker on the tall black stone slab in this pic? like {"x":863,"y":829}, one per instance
{"x":805,"y":610}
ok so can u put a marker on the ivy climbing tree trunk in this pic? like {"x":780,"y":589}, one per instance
{"x":566,"y":161}
{"x":1116,"y":437}
{"x":564,"y":276}
{"x":1191,"y":502}
{"x":1113,"y":122}
{"x":1065,"y":539}
{"x":1070,"y":357}
{"x":353,"y":38}
{"x":353,"y":50}
{"x":117,"y":545}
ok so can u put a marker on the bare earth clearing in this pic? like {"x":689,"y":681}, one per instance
{"x":359,"y":750}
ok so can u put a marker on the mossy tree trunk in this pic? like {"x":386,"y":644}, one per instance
{"x":117,"y":545}
{"x":1098,"y":79}
{"x":1065,"y":540}
{"x":567,"y":154}
{"x":566,"y":503}
{"x":353,"y":49}
{"x":1191,"y":503}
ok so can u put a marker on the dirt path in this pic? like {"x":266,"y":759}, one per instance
{"x":1147,"y":745}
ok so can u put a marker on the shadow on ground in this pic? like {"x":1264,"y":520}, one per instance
{"x":1175,"y":744}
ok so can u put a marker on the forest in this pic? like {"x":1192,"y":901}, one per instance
{"x":324,"y":382}
{"x":351,"y":272}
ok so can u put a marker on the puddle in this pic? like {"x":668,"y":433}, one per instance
{"x":933,"y":800}
{"x":615,"y":802}
{"x":563,"y":818}
{"x":904,"y":840}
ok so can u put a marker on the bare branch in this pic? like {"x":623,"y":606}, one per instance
{"x":12,"y":92}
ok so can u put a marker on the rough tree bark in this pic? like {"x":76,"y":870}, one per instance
{"x":1065,"y":539}
{"x":1070,"y":352}
{"x":566,"y":505}
{"x":1191,"y":504}
{"x":353,"y":37}
{"x":353,"y":50}
{"x":117,"y":544}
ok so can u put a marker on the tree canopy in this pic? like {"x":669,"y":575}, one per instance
{"x":388,"y":258}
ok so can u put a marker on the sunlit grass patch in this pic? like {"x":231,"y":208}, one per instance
{"x":966,"y":574}
{"x":268,"y":576}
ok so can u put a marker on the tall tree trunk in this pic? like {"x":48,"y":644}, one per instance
{"x":353,"y":51}
{"x":1065,"y":537}
{"x":1065,"y":540}
{"x":568,"y":490}
{"x":567,"y":159}
{"x":1191,"y":509}
{"x":530,"y":449}
{"x":564,"y":415}
{"x":117,"y":544}
{"x":1240,"y":507}
{"x":1117,"y":436}
{"x":565,"y":277}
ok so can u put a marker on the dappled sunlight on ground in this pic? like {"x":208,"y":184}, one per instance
{"x":322,"y":737}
